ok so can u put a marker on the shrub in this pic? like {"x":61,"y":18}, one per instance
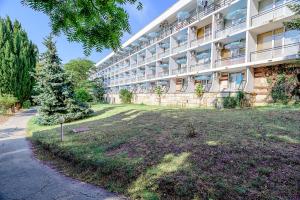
{"x":158,"y":90}
{"x":26,"y":104}
{"x":240,"y":99}
{"x":125,"y":96}
{"x":191,"y":130}
{"x":82,"y":95}
{"x":7,"y":101}
{"x":199,"y":90}
{"x":229,"y":102}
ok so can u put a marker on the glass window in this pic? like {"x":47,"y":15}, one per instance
{"x":265,"y":5}
{"x":235,"y":80}
{"x":264,"y":40}
{"x":291,"y":36}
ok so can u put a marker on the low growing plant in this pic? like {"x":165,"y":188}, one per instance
{"x":199,"y":90}
{"x":240,"y":99}
{"x":125,"y":96}
{"x":158,"y":90}
{"x":229,"y":102}
{"x":7,"y":101}
{"x":26,"y":104}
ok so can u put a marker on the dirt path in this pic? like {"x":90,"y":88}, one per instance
{"x":23,"y":177}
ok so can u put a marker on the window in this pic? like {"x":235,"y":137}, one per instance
{"x":265,"y":5}
{"x":264,"y":40}
{"x":235,"y":81}
{"x":292,"y":36}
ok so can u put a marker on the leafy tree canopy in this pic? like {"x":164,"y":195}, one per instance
{"x":295,"y":23}
{"x":97,"y":24}
{"x":79,"y":69}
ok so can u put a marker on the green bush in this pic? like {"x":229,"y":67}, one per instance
{"x":158,"y":90}
{"x":229,"y":102}
{"x":278,"y":92}
{"x":240,"y":99}
{"x":7,"y":101}
{"x":26,"y":104}
{"x":125,"y":96}
{"x":82,"y":95}
{"x":199,"y":90}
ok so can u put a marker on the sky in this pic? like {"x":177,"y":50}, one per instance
{"x":36,"y":25}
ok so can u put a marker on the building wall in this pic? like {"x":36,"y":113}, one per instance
{"x":259,"y":96}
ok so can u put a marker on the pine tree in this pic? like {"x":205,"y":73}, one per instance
{"x":18,"y":57}
{"x":56,"y":91}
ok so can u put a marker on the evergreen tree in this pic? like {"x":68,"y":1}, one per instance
{"x":56,"y":91}
{"x":18,"y":57}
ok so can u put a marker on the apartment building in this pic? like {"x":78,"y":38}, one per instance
{"x":226,"y":45}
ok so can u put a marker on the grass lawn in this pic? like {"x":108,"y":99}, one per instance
{"x":145,"y":152}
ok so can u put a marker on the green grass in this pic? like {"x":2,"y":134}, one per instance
{"x":145,"y":152}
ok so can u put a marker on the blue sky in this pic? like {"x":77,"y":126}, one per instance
{"x":37,"y":25}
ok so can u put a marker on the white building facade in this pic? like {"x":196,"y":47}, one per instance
{"x":226,"y":45}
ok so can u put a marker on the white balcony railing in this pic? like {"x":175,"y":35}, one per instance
{"x":230,"y":29}
{"x":199,"y":67}
{"x":273,"y":14}
{"x":198,"y":41}
{"x":180,"y":47}
{"x":289,"y":51}
{"x":181,"y":70}
{"x":164,"y":54}
{"x":150,"y":76}
{"x":152,"y":58}
{"x":133,"y":65}
{"x":230,"y":61}
{"x":163,"y":73}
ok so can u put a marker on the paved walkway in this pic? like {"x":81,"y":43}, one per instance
{"x":22,"y":177}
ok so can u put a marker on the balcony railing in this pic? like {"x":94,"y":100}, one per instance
{"x":133,"y":65}
{"x":140,"y":78}
{"x":180,"y":47}
{"x":150,"y":76}
{"x":164,"y":54}
{"x":199,"y":67}
{"x":287,"y":51}
{"x":141,"y":62}
{"x":198,"y":41}
{"x":152,"y":58}
{"x":181,"y":70}
{"x":230,"y":61}
{"x":273,"y":14}
{"x":163,"y":73}
{"x":230,"y":29}
{"x":133,"y":79}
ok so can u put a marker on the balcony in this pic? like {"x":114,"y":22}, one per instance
{"x":141,"y":78}
{"x":230,"y":29}
{"x":150,"y":76}
{"x":150,"y":59}
{"x":181,"y":70}
{"x":180,"y":47}
{"x":273,"y":14}
{"x":141,"y":61}
{"x":199,"y":67}
{"x":230,"y":61}
{"x":133,"y":79}
{"x":199,"y":41}
{"x":163,"y":73}
{"x":164,"y":54}
{"x":133,"y":64}
{"x":289,"y":51}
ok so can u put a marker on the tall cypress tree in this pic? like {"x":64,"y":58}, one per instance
{"x":18,"y":56}
{"x":55,"y":90}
